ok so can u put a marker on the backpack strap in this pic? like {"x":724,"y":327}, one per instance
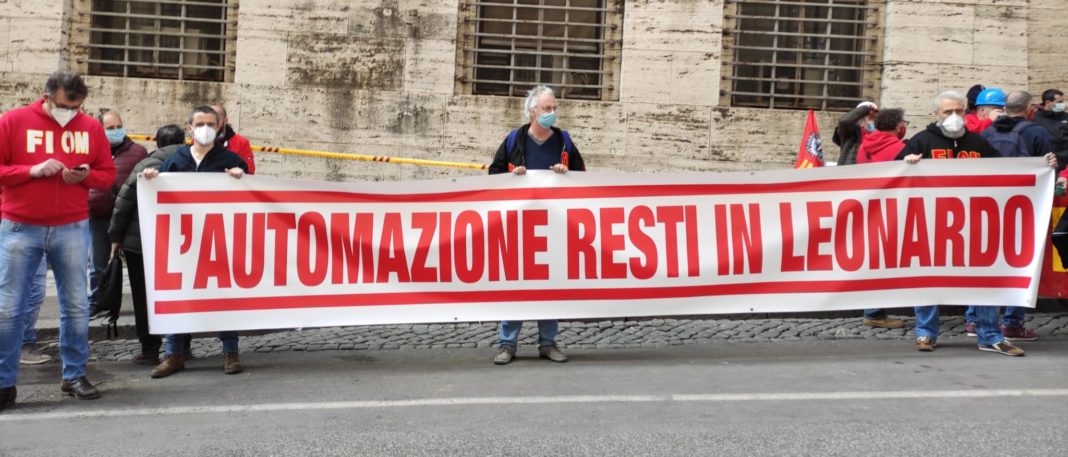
{"x":509,"y":144}
{"x":568,"y":148}
{"x":1020,"y":126}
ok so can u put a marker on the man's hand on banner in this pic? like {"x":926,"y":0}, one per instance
{"x":150,"y":173}
{"x":1051,"y":160}
{"x":913,"y":158}
{"x":520,"y":170}
{"x":235,"y":172}
{"x":560,"y":168}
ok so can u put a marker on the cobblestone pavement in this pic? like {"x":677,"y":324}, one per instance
{"x":606,"y":334}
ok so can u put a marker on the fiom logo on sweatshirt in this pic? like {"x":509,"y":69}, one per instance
{"x":70,"y":142}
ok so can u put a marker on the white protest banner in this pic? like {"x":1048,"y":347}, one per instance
{"x":257,"y":253}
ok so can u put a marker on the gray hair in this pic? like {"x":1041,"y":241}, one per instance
{"x":948,"y":95}
{"x":532,"y":98}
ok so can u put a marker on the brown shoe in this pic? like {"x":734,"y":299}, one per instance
{"x":231,"y":363}
{"x":884,"y":322}
{"x":925,"y":344}
{"x":171,"y":365}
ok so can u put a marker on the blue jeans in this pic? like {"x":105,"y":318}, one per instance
{"x":1014,"y":315}
{"x":986,"y":323}
{"x":99,"y":254}
{"x":547,"y":330}
{"x":176,"y":342}
{"x":34,"y":300}
{"x":22,"y":248}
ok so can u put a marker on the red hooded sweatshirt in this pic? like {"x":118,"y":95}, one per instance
{"x":29,"y":136}
{"x":976,"y":125}
{"x":879,"y":146}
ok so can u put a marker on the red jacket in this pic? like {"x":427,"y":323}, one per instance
{"x":125,"y":156}
{"x":239,"y":145}
{"x":976,"y":125}
{"x":879,"y":146}
{"x":29,"y":136}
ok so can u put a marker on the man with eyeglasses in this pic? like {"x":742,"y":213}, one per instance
{"x":51,"y":154}
{"x":536,"y":145}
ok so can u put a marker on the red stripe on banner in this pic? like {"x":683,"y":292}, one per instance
{"x":440,"y":297}
{"x":564,"y":193}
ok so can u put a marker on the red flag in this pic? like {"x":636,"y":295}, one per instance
{"x":811,"y":152}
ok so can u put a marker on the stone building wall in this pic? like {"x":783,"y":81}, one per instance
{"x":378,"y":77}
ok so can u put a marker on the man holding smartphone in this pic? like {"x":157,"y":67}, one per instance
{"x":51,"y":154}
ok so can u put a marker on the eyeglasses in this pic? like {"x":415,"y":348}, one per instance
{"x":906,"y":123}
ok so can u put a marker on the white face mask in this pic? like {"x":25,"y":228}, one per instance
{"x":1058,"y":107}
{"x":62,"y":115}
{"x":204,"y":135}
{"x":952,"y":126}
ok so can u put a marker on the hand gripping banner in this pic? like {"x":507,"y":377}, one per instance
{"x":260,"y":252}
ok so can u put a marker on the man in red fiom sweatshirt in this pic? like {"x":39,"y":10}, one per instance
{"x":51,"y":154}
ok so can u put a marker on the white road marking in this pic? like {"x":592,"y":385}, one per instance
{"x":14,"y":416}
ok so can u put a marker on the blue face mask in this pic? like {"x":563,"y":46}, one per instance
{"x":547,"y":120}
{"x":116,"y":136}
{"x":870,"y":127}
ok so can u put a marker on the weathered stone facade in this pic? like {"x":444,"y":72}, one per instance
{"x":377,"y":77}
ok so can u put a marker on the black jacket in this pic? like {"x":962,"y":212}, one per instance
{"x":125,"y":227}
{"x":848,"y":135}
{"x":1057,"y":126}
{"x":502,"y":158}
{"x":218,"y":159}
{"x":931,"y":144}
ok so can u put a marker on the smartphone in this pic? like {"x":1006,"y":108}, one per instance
{"x":82,"y":167}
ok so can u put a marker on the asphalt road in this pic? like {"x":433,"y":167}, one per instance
{"x":849,"y":398}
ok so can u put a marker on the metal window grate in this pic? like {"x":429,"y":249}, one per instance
{"x":177,"y":39}
{"x":508,"y":46}
{"x":801,"y":54}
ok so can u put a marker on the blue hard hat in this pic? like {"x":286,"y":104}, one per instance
{"x":992,"y":96}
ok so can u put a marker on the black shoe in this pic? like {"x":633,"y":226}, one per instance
{"x":7,"y":397}
{"x":149,"y":358}
{"x":79,"y":388}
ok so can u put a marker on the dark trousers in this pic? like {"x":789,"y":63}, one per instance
{"x":135,"y":265}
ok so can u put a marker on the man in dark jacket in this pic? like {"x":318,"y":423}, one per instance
{"x":1036,"y":143}
{"x":947,"y":138}
{"x":203,"y":156}
{"x":125,"y":153}
{"x":125,"y":235}
{"x":537,"y":145}
{"x":1019,"y":109}
{"x":851,"y":129}
{"x":1051,"y":115}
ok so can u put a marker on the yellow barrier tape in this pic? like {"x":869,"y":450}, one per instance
{"x":344,"y":156}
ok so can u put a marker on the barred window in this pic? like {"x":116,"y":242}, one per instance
{"x":801,"y":54}
{"x":176,"y":39}
{"x":508,"y":46}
